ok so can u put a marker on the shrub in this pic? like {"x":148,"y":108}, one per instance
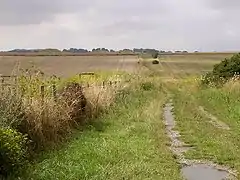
{"x":13,"y":150}
{"x":155,"y":62}
{"x":228,"y":67}
{"x":223,"y":71}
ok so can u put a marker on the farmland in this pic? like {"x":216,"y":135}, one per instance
{"x":66,"y":66}
{"x":189,"y":64}
{"x":130,"y":139}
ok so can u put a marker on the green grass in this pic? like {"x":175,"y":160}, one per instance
{"x":210,"y":143}
{"x":128,"y":142}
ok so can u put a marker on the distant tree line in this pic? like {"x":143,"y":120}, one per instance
{"x":96,"y":50}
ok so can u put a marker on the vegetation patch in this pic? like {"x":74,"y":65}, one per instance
{"x":39,"y":112}
{"x":224,"y":71}
{"x":127,"y":142}
{"x":13,"y":151}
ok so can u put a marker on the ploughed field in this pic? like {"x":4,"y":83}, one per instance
{"x":66,"y":66}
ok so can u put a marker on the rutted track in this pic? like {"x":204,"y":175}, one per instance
{"x":191,"y":169}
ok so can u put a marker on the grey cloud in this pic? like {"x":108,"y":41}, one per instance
{"x":224,"y":4}
{"x":164,"y":24}
{"x":14,"y":12}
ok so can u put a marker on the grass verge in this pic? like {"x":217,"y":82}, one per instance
{"x":210,"y":142}
{"x":128,"y":142}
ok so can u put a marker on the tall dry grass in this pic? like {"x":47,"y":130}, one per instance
{"x":99,"y":98}
{"x":233,"y":85}
{"x":47,"y":119}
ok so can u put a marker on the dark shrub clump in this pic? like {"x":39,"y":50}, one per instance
{"x":223,"y":71}
{"x":155,"y":62}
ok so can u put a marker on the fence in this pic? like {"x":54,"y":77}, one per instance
{"x":10,"y":83}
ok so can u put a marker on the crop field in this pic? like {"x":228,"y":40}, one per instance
{"x":161,"y":123}
{"x":185,"y":65}
{"x":66,"y":66}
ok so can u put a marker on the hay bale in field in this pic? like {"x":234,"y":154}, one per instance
{"x":75,"y":100}
{"x":155,"y":62}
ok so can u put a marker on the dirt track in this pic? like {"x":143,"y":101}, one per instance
{"x":68,"y":66}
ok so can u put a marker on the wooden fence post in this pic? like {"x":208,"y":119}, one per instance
{"x":54,"y":89}
{"x":2,"y":84}
{"x":16,"y":80}
{"x":42,"y":95}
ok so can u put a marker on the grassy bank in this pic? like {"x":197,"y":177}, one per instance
{"x":39,"y":112}
{"x":128,"y":142}
{"x":210,"y":142}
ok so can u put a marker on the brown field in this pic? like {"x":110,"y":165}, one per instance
{"x":65,"y":66}
{"x":188,"y":64}
{"x":70,"y":65}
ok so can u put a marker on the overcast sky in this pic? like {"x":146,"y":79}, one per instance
{"x":204,"y":25}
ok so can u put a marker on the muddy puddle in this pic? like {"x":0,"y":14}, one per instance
{"x":192,"y":170}
{"x":203,"y":172}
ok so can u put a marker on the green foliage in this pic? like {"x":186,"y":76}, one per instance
{"x":223,"y":71}
{"x":132,"y":139}
{"x":228,"y":67}
{"x":147,"y":86}
{"x":13,"y":150}
{"x":11,"y":111}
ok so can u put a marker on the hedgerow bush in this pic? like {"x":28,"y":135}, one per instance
{"x":13,"y":150}
{"x":223,"y":71}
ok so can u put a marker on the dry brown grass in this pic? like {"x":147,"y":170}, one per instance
{"x":233,"y":85}
{"x":46,"y":123}
{"x":99,"y":98}
{"x":46,"y":119}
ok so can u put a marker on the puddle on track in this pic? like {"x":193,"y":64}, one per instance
{"x":202,"y":171}
{"x":191,"y":170}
